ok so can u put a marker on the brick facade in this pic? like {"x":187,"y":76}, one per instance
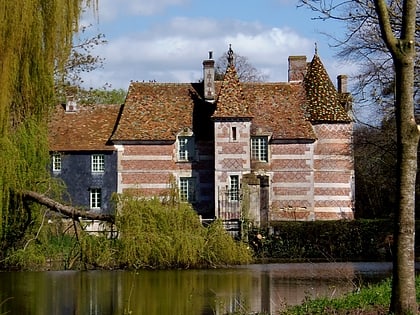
{"x":277,"y":151}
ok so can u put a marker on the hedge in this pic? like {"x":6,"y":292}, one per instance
{"x":356,"y":240}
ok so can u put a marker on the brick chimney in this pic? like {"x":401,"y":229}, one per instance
{"x":297,"y":68}
{"x":342,"y":83}
{"x":208,"y":72}
{"x":345,"y":97}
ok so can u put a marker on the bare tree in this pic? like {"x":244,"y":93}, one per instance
{"x":396,"y":21}
{"x":68,"y":79}
{"x":246,"y":71}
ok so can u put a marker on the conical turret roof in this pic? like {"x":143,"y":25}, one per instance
{"x":231,"y":101}
{"x":323,"y":101}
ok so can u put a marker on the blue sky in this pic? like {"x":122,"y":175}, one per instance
{"x":167,"y":40}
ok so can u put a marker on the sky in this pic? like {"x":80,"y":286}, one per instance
{"x":167,"y":40}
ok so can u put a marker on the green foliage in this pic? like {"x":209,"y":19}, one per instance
{"x":363,"y":240}
{"x":155,"y":234}
{"x":151,"y":234}
{"x":47,"y":244}
{"x":367,"y":298}
{"x":36,"y":38}
{"x":102,"y":96}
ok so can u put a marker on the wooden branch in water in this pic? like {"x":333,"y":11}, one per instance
{"x":68,"y":211}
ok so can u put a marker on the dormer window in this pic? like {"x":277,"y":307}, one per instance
{"x":185,"y":148}
{"x":259,"y":149}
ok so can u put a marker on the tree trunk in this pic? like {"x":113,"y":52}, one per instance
{"x":403,"y":300}
{"x":66,"y":210}
{"x":402,"y":49}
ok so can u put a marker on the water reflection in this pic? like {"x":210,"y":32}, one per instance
{"x":254,"y":288}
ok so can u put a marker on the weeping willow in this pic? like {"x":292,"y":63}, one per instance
{"x":35,"y":40}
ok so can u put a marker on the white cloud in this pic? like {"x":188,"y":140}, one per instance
{"x":147,"y":42}
{"x":173,"y":52}
{"x":110,"y":10}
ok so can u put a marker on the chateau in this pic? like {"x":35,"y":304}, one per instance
{"x":278,"y":150}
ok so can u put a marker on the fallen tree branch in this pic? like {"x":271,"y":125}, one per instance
{"x":67,"y":211}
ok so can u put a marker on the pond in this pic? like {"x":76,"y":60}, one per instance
{"x":264,"y":287}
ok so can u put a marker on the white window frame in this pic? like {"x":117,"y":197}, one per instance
{"x":95,"y":200}
{"x":187,"y":189}
{"x":98,"y":163}
{"x":234,"y":186}
{"x":185,"y":148}
{"x":259,"y":148}
{"x":56,"y":162}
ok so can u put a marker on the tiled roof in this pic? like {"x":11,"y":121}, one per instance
{"x":86,"y":129}
{"x":157,"y":111}
{"x":277,"y":109}
{"x":323,"y":101}
{"x":230,"y":100}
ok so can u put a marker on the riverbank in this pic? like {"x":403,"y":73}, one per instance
{"x":370,"y":300}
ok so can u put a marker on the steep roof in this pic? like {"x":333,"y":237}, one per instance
{"x":277,"y":109}
{"x":230,"y":100}
{"x":323,"y":101}
{"x":158,"y":111}
{"x":86,"y":129}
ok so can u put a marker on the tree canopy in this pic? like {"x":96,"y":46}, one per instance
{"x":36,"y":40}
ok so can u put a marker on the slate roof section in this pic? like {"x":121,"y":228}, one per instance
{"x":230,"y":101}
{"x":323,"y":101}
{"x":87,"y":129}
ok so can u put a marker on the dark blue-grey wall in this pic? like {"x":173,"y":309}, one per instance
{"x":79,"y":179}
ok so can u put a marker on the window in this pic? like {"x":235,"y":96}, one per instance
{"x":234,"y":188}
{"x":259,"y":149}
{"x":234,"y":133}
{"x":56,"y":162}
{"x":95,"y":198}
{"x":185,"y":148}
{"x":187,"y":189}
{"x":98,"y":163}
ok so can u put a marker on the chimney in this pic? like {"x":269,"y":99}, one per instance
{"x":208,"y":71}
{"x":71,"y":98}
{"x":297,"y":68}
{"x":342,"y":83}
{"x":71,"y":104}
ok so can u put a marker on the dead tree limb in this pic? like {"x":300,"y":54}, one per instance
{"x":67,"y":211}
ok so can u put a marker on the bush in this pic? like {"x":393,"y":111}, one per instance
{"x":156,"y":234}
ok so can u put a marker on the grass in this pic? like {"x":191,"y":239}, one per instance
{"x":372,"y":299}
